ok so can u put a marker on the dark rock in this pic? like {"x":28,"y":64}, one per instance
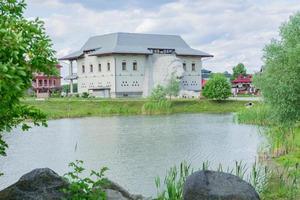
{"x":211,"y":185}
{"x":39,"y":184}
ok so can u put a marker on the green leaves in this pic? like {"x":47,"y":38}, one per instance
{"x":24,"y":49}
{"x":85,"y":188}
{"x":217,"y":88}
{"x":279,"y":81}
{"x":240,"y":69}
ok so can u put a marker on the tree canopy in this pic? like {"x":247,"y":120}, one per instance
{"x":24,"y":49}
{"x":240,"y":69}
{"x":217,"y":88}
{"x":279,"y":82}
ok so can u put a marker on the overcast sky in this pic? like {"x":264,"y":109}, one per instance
{"x":232,"y":30}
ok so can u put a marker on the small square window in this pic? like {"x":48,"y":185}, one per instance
{"x":123,"y":66}
{"x":193,"y":67}
{"x":134,"y":66}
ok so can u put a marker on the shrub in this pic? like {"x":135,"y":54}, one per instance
{"x":217,"y":88}
{"x":158,"y":93}
{"x":85,"y":188}
{"x":85,"y":95}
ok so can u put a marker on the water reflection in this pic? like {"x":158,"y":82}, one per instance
{"x":135,"y":148}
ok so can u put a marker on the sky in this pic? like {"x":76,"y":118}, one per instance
{"x":234,"y":31}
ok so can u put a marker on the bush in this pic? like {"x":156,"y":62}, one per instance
{"x":158,"y":93}
{"x":217,"y":88}
{"x":85,"y":188}
{"x":85,"y":95}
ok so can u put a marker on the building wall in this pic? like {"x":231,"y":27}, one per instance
{"x":129,"y":82}
{"x":191,"y":80}
{"x":90,"y":80}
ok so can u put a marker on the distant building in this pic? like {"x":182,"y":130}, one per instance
{"x":243,"y":85}
{"x":132,"y":64}
{"x":43,"y":85}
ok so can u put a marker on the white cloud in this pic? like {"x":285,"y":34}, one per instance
{"x":234,"y":30}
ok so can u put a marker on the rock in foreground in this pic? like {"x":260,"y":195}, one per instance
{"x":45,"y":184}
{"x":211,"y":185}
{"x":38,"y":184}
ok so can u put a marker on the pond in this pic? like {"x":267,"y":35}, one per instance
{"x":136,"y":149}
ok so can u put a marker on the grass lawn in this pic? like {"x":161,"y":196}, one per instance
{"x":79,"y":107}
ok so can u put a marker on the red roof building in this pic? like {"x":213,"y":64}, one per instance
{"x":43,"y":85}
{"x":243,"y":84}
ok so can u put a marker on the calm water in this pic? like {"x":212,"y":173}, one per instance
{"x":136,"y":149}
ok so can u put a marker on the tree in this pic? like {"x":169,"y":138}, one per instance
{"x":279,"y":81}
{"x":158,"y":93}
{"x":173,"y":87}
{"x":240,"y":69}
{"x":24,"y":49}
{"x":217,"y":88}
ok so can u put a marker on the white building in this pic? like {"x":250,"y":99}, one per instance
{"x":131,"y":64}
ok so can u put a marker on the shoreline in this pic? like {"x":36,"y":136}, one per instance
{"x":60,"y":108}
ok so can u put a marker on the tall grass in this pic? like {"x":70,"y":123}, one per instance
{"x":157,"y":107}
{"x":258,"y":114}
{"x":172,"y":187}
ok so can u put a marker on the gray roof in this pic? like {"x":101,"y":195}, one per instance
{"x":135,"y":43}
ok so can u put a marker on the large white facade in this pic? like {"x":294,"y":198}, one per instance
{"x":134,"y":72}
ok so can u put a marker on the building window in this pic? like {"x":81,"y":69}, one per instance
{"x":184,"y":66}
{"x":50,"y":82}
{"x":91,"y":68}
{"x":45,"y":82}
{"x":193,"y":67}
{"x":108,"y":66}
{"x":123,"y":66}
{"x":83,"y":69}
{"x":40,"y":83}
{"x":99,"y":67}
{"x":134,"y":66}
{"x":54,"y":82}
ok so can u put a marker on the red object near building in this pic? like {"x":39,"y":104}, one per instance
{"x":43,"y":85}
{"x":243,"y":84}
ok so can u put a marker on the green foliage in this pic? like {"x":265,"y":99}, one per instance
{"x":240,"y":69}
{"x":85,"y":95}
{"x":173,"y":87}
{"x":172,"y":189}
{"x":157,"y":107}
{"x":173,"y":183}
{"x":158,"y":93}
{"x":279,"y":81}
{"x":85,"y":188}
{"x":24,"y":49}
{"x":257,"y":114}
{"x":217,"y":88}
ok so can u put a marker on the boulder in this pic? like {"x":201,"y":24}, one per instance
{"x":45,"y":184}
{"x":39,"y":184}
{"x":212,"y":185}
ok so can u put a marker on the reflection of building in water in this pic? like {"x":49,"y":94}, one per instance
{"x":131,"y":64}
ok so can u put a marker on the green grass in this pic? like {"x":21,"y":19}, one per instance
{"x":79,"y":107}
{"x":284,"y":181}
